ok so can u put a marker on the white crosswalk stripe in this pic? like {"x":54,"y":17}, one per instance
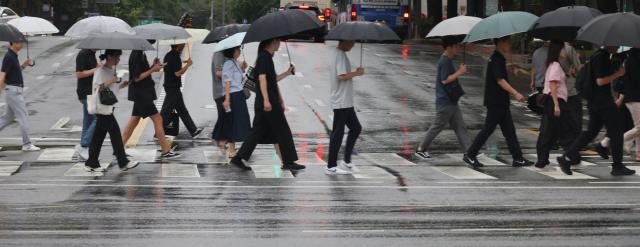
{"x":77,"y":170}
{"x":57,"y":155}
{"x":8,"y":168}
{"x":461,"y":172}
{"x":484,"y":159}
{"x":180,"y":171}
{"x":556,"y":173}
{"x":270,"y":171}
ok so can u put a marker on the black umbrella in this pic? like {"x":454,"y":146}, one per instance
{"x":10,"y":33}
{"x":281,"y":25}
{"x":617,"y":29}
{"x":562,"y":23}
{"x":223,"y":32}
{"x":363,"y":31}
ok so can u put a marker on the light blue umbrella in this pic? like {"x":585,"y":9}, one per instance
{"x":500,"y":25}
{"x":231,"y":42}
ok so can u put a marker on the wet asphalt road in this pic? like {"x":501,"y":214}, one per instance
{"x":397,"y":200}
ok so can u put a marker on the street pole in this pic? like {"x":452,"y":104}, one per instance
{"x":224,"y":10}
{"x":211,"y":17}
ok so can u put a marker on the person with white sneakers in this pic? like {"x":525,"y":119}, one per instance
{"x":344,"y":113}
{"x":12,"y":83}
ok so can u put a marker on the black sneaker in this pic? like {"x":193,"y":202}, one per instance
{"x":602,"y":151}
{"x":197,"y":132}
{"x":170,"y":155}
{"x":238,"y":162}
{"x":521,"y":162}
{"x":293,"y":166}
{"x":472,"y":161}
{"x":423,"y":155}
{"x":542,"y":164}
{"x":622,"y":171}
{"x":565,"y":165}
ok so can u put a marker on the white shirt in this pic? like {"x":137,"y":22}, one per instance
{"x":102,"y":75}
{"x":341,"y":91}
{"x":231,"y":72}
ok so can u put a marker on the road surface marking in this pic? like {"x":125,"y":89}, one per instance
{"x":215,"y":157}
{"x":178,"y":181}
{"x":210,"y":107}
{"x":615,"y":182}
{"x":478,"y":182}
{"x":461,"y":172}
{"x":8,"y":168}
{"x":55,"y":65}
{"x":553,"y":159}
{"x":2,"y":104}
{"x":180,"y":171}
{"x":308,"y":87}
{"x":57,"y":155}
{"x":491,"y":229}
{"x":342,"y":231}
{"x":77,"y":170}
{"x":76,"y":180}
{"x":299,"y":74}
{"x":69,"y":54}
{"x":40,"y":77}
{"x":270,"y":171}
{"x":556,"y":173}
{"x":372,"y":172}
{"x":341,"y":182}
{"x":485,"y":160}
{"x":386,"y":159}
{"x":189,"y":231}
{"x":320,"y":103}
{"x":143,"y":155}
{"x":60,"y":123}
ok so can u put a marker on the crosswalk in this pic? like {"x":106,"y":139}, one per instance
{"x":373,"y":166}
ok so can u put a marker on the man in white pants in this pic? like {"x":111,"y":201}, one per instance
{"x":12,"y":84}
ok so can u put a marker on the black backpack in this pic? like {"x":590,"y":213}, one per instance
{"x":585,"y":80}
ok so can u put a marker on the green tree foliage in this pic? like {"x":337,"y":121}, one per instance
{"x":251,"y":9}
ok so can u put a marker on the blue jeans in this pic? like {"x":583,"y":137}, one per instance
{"x":88,"y":125}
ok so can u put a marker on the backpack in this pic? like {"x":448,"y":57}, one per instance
{"x":585,"y":80}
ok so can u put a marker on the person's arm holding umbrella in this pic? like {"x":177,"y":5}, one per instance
{"x":286,"y":73}
{"x":184,"y":69}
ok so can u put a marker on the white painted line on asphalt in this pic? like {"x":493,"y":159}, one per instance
{"x":615,"y":182}
{"x":556,"y":173}
{"x":57,"y":155}
{"x":60,"y":123}
{"x":143,"y":155}
{"x":76,"y":180}
{"x":491,"y":229}
{"x":320,"y":103}
{"x":484,"y":159}
{"x":636,"y":168}
{"x":479,"y":182}
{"x":307,"y":86}
{"x":386,"y":159}
{"x":55,"y":65}
{"x":10,"y":163}
{"x":210,"y":107}
{"x":40,"y":77}
{"x":77,"y":170}
{"x":341,"y":182}
{"x":189,"y":231}
{"x":180,"y":171}
{"x":177,"y":181}
{"x":57,"y":232}
{"x":623,"y":228}
{"x":372,"y":172}
{"x":342,"y":231}
{"x":270,"y":171}
{"x":299,"y":74}
{"x":291,"y":108}
{"x":69,"y":54}
{"x":461,"y":172}
{"x":215,"y":157}
{"x":2,"y":104}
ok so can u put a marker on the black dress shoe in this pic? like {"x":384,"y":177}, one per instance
{"x":293,"y":166}
{"x":622,"y":171}
{"x":541,"y":165}
{"x":238,"y":162}
{"x":472,"y":161}
{"x":521,"y":162}
{"x":602,"y":151}
{"x":565,"y":165}
{"x":197,"y":132}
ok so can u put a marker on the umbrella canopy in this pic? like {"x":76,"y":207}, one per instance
{"x":281,"y":24}
{"x":563,"y":23}
{"x":115,"y":40}
{"x":10,"y":33}
{"x":231,"y":42}
{"x":617,"y":29}
{"x":223,"y":32}
{"x":457,"y":26}
{"x":33,"y":25}
{"x":196,"y":35}
{"x":98,"y":24}
{"x":160,"y":31}
{"x":362,"y":31}
{"x":500,"y":25}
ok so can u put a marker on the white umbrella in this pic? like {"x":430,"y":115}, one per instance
{"x":33,"y":26}
{"x":460,"y":25}
{"x":231,"y":42}
{"x":114,"y":40}
{"x":160,"y":31}
{"x":197,"y":35}
{"x":98,"y":24}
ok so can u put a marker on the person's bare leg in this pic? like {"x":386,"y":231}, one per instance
{"x":128,"y":131}
{"x":232,"y":150}
{"x":277,"y":147}
{"x":159,"y":129}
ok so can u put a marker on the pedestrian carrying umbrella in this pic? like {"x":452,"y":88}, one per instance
{"x":455,"y":28}
{"x":116,"y":41}
{"x":98,"y":24}
{"x":160,"y":31}
{"x":223,"y":32}
{"x":33,"y":26}
{"x":231,"y":42}
{"x":500,"y":25}
{"x":281,"y":25}
{"x":363,"y":31}
{"x":10,"y":33}
{"x":617,"y":29}
{"x":563,"y":23}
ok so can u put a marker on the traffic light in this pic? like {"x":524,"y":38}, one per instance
{"x":327,"y":13}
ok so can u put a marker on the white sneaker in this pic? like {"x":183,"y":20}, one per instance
{"x":83,"y":154}
{"x":348,"y":166}
{"x":91,"y":169}
{"x":132,"y":164}
{"x":336,"y":171}
{"x":30,"y":148}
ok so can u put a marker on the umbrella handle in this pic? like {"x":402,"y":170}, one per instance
{"x":361,"y":49}
{"x":293,"y":72}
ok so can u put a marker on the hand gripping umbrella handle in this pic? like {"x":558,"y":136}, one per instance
{"x":293,"y":72}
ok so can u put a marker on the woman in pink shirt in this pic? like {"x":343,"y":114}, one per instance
{"x":554,"y":126}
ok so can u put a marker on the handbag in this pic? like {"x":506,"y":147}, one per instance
{"x":94,"y":106}
{"x":454,"y":91}
{"x":107,"y":97}
{"x":536,"y":101}
{"x":245,"y":89}
{"x":250,"y":80}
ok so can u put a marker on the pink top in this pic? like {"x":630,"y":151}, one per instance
{"x":556,"y":73}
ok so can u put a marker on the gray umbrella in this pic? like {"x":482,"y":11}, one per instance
{"x":10,"y":33}
{"x":223,"y":32}
{"x":563,"y":23}
{"x":617,"y":29}
{"x":115,"y":40}
{"x":160,"y":31}
{"x":363,"y":31}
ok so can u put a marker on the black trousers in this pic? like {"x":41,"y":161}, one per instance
{"x":173,"y":101}
{"x":341,"y":118}
{"x":555,"y":129}
{"x":224,"y":121}
{"x":574,"y":105}
{"x":609,"y":117}
{"x":497,"y":115}
{"x":106,"y":124}
{"x":266,"y":125}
